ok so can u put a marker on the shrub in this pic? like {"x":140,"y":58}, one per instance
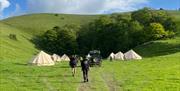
{"x":156,"y":31}
{"x":13,"y":36}
{"x":56,"y":15}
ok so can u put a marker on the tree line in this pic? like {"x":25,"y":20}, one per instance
{"x":109,"y":33}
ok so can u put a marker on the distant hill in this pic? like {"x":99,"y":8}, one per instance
{"x":36,"y":23}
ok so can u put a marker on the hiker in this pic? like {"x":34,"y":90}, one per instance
{"x":73,"y":64}
{"x":111,"y":58}
{"x":85,"y":69}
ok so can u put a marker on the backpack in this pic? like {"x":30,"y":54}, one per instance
{"x":73,"y":62}
{"x":86,"y":64}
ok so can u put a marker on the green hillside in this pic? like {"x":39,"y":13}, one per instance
{"x":162,"y":47}
{"x":12,"y":49}
{"x":158,"y":71}
{"x":25,"y":27}
{"x":36,"y":23}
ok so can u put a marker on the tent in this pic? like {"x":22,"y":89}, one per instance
{"x":119,"y":56}
{"x":42,"y":59}
{"x":65,"y":58}
{"x":132,"y":55}
{"x":111,"y":56}
{"x":56,"y":58}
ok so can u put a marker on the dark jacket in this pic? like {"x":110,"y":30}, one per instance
{"x":85,"y":64}
{"x":72,"y":62}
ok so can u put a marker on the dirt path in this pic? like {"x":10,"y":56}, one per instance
{"x":110,"y":81}
{"x":83,"y":87}
{"x":48,"y":85}
{"x":96,"y":82}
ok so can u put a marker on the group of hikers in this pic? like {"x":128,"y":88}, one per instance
{"x":84,"y":66}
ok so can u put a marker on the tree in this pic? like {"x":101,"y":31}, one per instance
{"x":161,"y":9}
{"x":111,"y":33}
{"x":136,"y":33}
{"x":60,"y":40}
{"x":66,"y":41}
{"x":124,"y":32}
{"x":156,"y":31}
{"x":170,"y":25}
{"x":144,"y":16}
{"x":47,"y":40}
{"x":103,"y":32}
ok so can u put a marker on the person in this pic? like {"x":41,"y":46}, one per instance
{"x":85,"y":69}
{"x":73,"y":64}
{"x":111,"y":58}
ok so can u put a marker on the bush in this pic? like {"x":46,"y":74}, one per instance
{"x":56,"y":15}
{"x":60,"y":40}
{"x":13,"y":36}
{"x":156,"y":31}
{"x":161,"y":9}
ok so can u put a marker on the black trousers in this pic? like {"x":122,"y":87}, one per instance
{"x":85,"y":74}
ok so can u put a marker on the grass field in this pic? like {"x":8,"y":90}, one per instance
{"x":158,"y":71}
{"x":153,"y":73}
{"x":150,"y":74}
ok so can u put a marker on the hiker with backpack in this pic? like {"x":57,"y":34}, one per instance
{"x":85,"y":69}
{"x":73,"y":64}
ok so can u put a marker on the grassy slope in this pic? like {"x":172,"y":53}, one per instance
{"x":158,"y":72}
{"x":25,"y":27}
{"x":37,"y":23}
{"x":11,"y":49}
{"x":162,"y":47}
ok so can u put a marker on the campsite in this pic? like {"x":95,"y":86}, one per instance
{"x":136,"y":53}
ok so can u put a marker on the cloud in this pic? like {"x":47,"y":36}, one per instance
{"x":72,"y":6}
{"x":17,"y":11}
{"x":82,"y":6}
{"x":124,"y":5}
{"x":3,"y":4}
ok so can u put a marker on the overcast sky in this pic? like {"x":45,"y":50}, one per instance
{"x":10,"y":8}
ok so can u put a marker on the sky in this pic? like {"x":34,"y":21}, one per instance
{"x":10,"y":8}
